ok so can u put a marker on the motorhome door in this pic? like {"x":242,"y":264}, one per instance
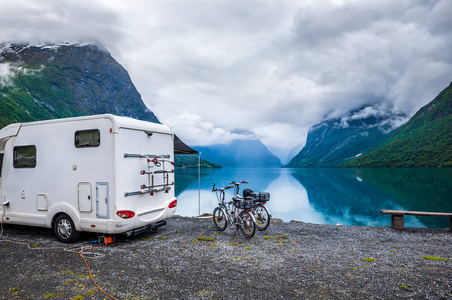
{"x":84,"y":197}
{"x":102,"y":200}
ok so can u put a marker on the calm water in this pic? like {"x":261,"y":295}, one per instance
{"x":328,"y":196}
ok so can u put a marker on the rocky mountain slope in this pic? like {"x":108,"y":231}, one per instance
{"x":424,"y":141}
{"x":65,"y":80}
{"x":335,"y":141}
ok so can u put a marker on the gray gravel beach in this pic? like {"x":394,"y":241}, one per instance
{"x":189,"y":259}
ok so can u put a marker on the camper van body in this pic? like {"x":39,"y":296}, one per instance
{"x":104,"y":174}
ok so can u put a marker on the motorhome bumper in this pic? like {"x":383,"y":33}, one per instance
{"x":147,"y":228}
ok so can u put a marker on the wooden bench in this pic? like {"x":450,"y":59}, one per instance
{"x":397,"y":216}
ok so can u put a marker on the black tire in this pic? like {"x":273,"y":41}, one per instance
{"x":219,"y":219}
{"x":262,"y":217}
{"x":64,"y":229}
{"x":247,"y":226}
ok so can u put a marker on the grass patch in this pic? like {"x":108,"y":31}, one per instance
{"x":368,"y":259}
{"x":278,"y":237}
{"x":67,"y":272}
{"x":435,"y":258}
{"x":68,"y":282}
{"x":206,"y":239}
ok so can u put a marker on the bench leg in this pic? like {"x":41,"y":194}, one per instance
{"x":398,"y":223}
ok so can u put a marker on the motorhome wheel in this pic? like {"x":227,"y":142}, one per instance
{"x":64,"y":229}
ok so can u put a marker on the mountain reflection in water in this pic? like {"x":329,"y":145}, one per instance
{"x":328,"y":196}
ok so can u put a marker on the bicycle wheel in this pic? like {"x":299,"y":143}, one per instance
{"x":262,"y":217}
{"x":247,"y":226}
{"x":219,"y":219}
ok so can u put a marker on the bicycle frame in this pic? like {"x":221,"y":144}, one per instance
{"x":222,"y":204}
{"x":231,"y":212}
{"x":253,"y":211}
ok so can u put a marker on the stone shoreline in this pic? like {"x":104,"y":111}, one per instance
{"x":189,"y":259}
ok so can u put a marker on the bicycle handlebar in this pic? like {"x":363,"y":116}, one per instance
{"x":238,"y":183}
{"x":222,"y":189}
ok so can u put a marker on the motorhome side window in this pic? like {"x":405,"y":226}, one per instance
{"x":87,"y":138}
{"x":24,"y":157}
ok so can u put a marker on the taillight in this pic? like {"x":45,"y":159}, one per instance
{"x":173,"y":204}
{"x":125,"y":214}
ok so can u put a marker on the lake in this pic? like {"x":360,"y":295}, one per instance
{"x":327,"y":196}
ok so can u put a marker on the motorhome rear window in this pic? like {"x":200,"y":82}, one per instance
{"x":24,"y":157}
{"x":87,"y":138}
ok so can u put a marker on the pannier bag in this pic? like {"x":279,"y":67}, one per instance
{"x":264,"y":197}
{"x":248,"y":193}
{"x":243,"y":204}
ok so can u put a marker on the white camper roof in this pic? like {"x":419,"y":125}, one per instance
{"x":7,"y":132}
{"x":117,"y":121}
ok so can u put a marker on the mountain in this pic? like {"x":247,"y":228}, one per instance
{"x":68,"y":80}
{"x":334,"y":141}
{"x":65,"y":80}
{"x":424,"y":141}
{"x":240,"y":153}
{"x":293,"y":152}
{"x":190,"y":161}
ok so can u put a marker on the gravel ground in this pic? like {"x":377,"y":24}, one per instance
{"x":189,"y":259}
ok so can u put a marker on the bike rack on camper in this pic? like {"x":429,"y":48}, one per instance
{"x":153,"y":160}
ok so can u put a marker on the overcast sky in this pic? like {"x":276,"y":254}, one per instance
{"x":217,"y":70}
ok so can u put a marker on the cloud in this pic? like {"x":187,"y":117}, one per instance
{"x":386,"y":50}
{"x":274,"y":68}
{"x":50,"y":21}
{"x":200,"y":133}
{"x":389,"y":120}
{"x":275,"y":136}
{"x":5,"y":73}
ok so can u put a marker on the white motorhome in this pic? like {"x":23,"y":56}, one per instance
{"x":103,"y":173}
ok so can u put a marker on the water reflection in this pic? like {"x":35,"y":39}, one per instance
{"x":289,"y":200}
{"x":328,"y":196}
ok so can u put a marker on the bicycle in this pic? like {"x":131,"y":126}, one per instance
{"x":233,"y":212}
{"x":259,"y":210}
